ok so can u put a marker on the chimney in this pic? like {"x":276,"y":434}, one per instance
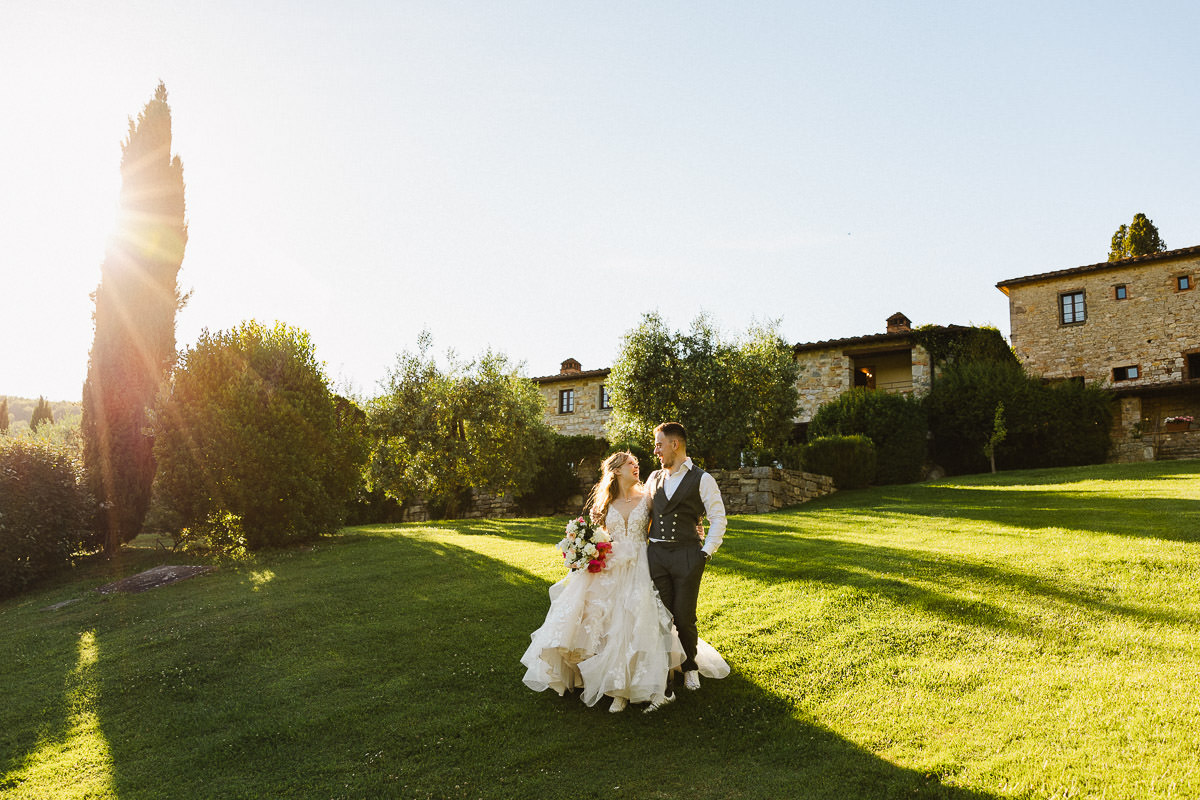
{"x":570,"y":367}
{"x":898,"y":323}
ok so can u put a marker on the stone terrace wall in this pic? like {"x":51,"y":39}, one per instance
{"x":484,"y":505}
{"x":1140,"y":432}
{"x":749,"y":490}
{"x":758,"y":490}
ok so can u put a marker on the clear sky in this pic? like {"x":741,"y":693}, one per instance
{"x":533,"y":176}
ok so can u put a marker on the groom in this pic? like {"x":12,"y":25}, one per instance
{"x":681,"y":493}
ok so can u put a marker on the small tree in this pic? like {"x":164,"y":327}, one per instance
{"x":42,"y":413}
{"x":438,"y":433}
{"x":3,"y":415}
{"x":252,"y":448}
{"x":999,"y":432}
{"x":768,"y":373}
{"x":1140,"y":238}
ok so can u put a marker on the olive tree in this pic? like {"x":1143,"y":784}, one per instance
{"x":438,"y":432}
{"x":732,"y":396}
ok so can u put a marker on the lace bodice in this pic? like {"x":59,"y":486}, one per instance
{"x":633,"y":530}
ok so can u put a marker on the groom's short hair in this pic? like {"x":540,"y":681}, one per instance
{"x":674,"y":430}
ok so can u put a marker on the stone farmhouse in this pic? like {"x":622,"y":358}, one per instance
{"x":575,"y":402}
{"x":1131,"y":325}
{"x":892,"y":361}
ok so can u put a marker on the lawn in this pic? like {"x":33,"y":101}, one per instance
{"x":1031,"y":634}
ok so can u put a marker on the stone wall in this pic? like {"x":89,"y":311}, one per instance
{"x":824,"y":374}
{"x":1151,"y":329}
{"x":749,"y":490}
{"x":758,"y":490}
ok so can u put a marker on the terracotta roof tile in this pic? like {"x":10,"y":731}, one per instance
{"x":871,"y":338}
{"x":571,"y":376}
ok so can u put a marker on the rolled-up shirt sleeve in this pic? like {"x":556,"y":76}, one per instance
{"x":714,"y":509}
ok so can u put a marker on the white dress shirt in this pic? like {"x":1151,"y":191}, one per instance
{"x":710,"y":495}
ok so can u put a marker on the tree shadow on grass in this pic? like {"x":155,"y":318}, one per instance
{"x":934,"y":582}
{"x":524,"y":529}
{"x":1174,"y":519}
{"x":1140,"y":471}
{"x":391,"y":668}
{"x":1011,"y":500}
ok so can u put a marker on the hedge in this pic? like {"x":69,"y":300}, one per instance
{"x":894,"y":423}
{"x":849,"y":460}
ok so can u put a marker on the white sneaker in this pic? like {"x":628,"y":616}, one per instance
{"x":691,"y":680}
{"x":658,"y":701}
{"x":618,"y":705}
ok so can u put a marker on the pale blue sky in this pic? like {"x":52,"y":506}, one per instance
{"x":533,"y":176}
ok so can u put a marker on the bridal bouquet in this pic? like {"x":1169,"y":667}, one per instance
{"x":585,"y":546}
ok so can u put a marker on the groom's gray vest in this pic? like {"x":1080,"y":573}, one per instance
{"x":675,"y":519}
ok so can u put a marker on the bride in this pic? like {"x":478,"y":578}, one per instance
{"x":607,"y":631}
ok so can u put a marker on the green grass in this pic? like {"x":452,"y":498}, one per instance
{"x":1031,"y":634}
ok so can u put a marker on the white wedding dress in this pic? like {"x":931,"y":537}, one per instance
{"x":607,"y":631}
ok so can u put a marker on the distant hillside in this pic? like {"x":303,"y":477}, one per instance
{"x":20,"y":409}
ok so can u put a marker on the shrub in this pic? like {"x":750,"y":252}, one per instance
{"x":45,"y":510}
{"x":252,"y":448}
{"x":849,"y":460}
{"x":1064,"y":424}
{"x":1076,"y":425}
{"x":956,"y":344}
{"x":557,"y":462}
{"x":372,"y":506}
{"x":894,"y":423}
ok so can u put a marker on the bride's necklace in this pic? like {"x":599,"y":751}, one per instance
{"x":629,"y":500}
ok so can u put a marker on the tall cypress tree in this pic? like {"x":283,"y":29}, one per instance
{"x":1139,"y":238}
{"x":3,"y":415}
{"x":41,"y":413}
{"x":134,"y":345}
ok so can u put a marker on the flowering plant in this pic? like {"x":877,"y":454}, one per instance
{"x":585,"y":546}
{"x":1182,"y":418}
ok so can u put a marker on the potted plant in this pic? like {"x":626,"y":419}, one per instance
{"x":1182,"y":422}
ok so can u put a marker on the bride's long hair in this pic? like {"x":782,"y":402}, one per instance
{"x":607,"y":488}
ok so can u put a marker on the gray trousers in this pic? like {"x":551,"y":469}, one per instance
{"x":676,"y":569}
